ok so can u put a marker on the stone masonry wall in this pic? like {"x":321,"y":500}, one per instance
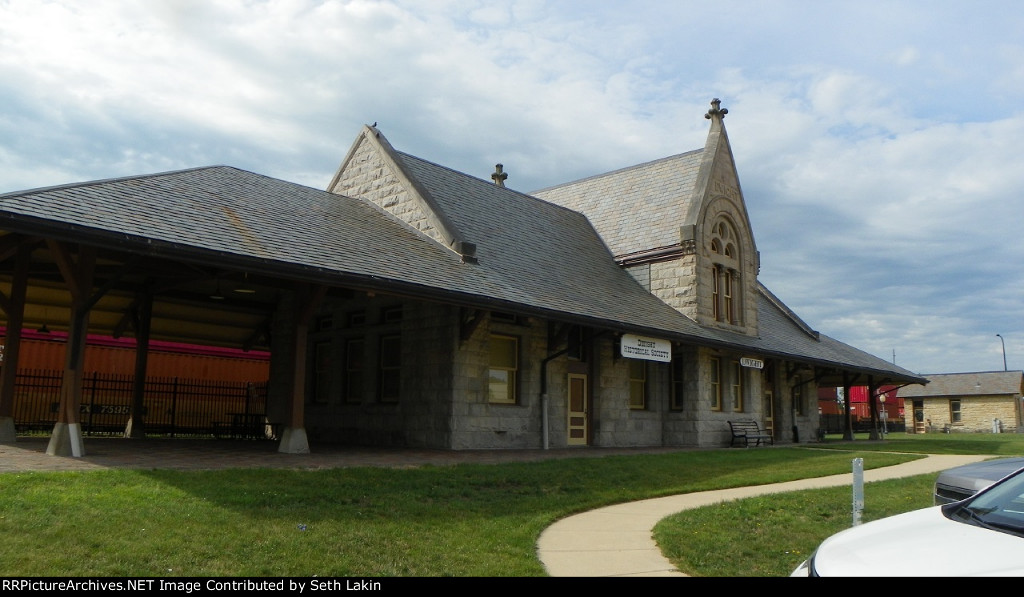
{"x":476,"y":422}
{"x":421,"y":415}
{"x":976,"y":414}
{"x":444,"y":381}
{"x":675,"y":283}
{"x":614,"y":422}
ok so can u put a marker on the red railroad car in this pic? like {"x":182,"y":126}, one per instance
{"x":106,"y":355}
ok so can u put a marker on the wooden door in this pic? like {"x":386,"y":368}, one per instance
{"x":578,"y":416}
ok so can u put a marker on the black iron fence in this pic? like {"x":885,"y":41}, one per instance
{"x":172,"y":406}
{"x":837,"y":424}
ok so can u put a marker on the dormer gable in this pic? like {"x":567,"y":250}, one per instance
{"x":372,"y":171}
{"x":727,"y":261}
{"x":679,"y":225}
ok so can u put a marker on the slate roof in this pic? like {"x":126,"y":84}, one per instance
{"x":227,"y":212}
{"x":533,"y":256}
{"x":540,"y":257}
{"x":539,"y":254}
{"x":553,"y":254}
{"x":987,"y":383}
{"x":650,"y":200}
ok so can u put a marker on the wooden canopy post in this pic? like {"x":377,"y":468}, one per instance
{"x":143,"y":319}
{"x":14,"y":307}
{"x":847,"y":410}
{"x":67,"y":432}
{"x":307,"y":300}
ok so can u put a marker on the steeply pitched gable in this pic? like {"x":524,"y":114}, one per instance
{"x":370,"y":171}
{"x":717,"y":177}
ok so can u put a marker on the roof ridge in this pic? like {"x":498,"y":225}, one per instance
{"x":490,"y":184}
{"x":618,"y":171}
{"x":994,"y":372}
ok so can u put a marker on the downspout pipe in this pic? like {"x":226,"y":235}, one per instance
{"x":544,"y":394}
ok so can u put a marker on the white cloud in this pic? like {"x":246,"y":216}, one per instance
{"x":877,"y":143}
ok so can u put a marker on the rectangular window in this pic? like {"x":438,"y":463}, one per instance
{"x":354,"y":371}
{"x":716,"y":383}
{"x":728,"y":312}
{"x":390,"y":368}
{"x":324,"y":323}
{"x":954,"y":412}
{"x":504,"y":369}
{"x":716,"y":310}
{"x":391,"y":315}
{"x":677,"y":382}
{"x":356,"y":319}
{"x":737,"y":386}
{"x":321,"y":371}
{"x":637,"y":384}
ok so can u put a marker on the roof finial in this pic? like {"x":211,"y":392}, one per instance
{"x":716,"y":109}
{"x":499,"y":177}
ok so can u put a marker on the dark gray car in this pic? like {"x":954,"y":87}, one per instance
{"x":962,"y":482}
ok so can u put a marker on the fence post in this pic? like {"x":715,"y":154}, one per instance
{"x":174,"y":407}
{"x":92,"y":402}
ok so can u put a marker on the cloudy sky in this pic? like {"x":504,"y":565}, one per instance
{"x":880,"y":144}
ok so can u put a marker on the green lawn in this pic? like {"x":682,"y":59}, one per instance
{"x":459,"y":521}
{"x":771,"y":535}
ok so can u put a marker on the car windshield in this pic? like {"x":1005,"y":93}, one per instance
{"x":999,"y":508}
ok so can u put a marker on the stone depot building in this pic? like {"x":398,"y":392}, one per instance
{"x":412,"y":305}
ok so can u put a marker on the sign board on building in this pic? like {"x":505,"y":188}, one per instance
{"x":752,"y":363}
{"x":648,"y":349}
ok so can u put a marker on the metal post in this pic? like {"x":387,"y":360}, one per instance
{"x":858,"y":490}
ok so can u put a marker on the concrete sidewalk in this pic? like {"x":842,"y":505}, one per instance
{"x":618,"y":541}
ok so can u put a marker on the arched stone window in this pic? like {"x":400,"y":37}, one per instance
{"x":726,"y":277}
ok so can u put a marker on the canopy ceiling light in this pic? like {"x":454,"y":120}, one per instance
{"x":245,"y":288}
{"x":217,"y":295}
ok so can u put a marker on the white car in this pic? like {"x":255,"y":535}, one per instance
{"x":980,"y":536}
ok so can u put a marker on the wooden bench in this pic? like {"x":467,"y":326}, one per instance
{"x":748,"y":433}
{"x":247,"y":426}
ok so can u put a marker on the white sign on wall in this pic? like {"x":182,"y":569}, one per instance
{"x":752,"y":363}
{"x":648,"y":349}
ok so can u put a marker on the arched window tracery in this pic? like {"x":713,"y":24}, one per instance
{"x":726,"y":273}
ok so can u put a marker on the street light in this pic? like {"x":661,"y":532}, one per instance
{"x":1003,"y":342}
